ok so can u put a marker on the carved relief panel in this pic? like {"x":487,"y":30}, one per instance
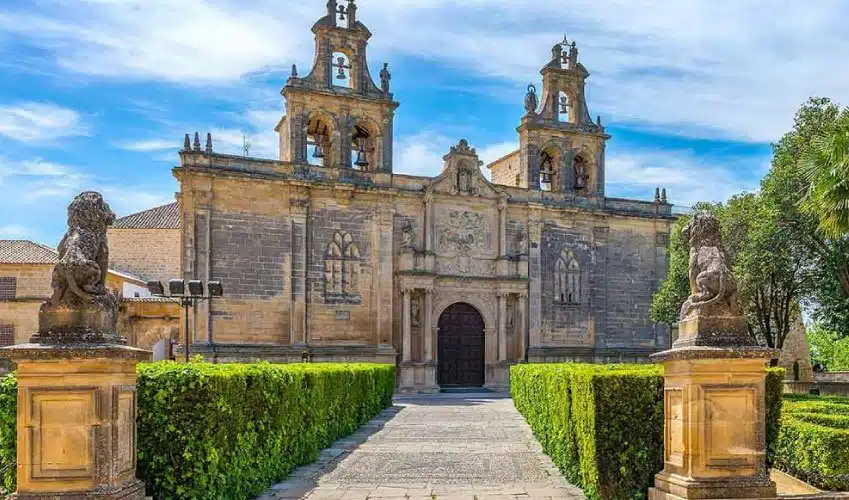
{"x":465,"y":243}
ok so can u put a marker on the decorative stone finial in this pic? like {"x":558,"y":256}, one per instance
{"x":208,"y":148}
{"x":196,"y":145}
{"x":531,"y":100}
{"x":294,"y":71}
{"x":657,"y":195}
{"x":81,"y":309}
{"x":598,"y":120}
{"x":187,"y":143}
{"x":663,"y":198}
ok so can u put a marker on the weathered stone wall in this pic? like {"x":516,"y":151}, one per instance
{"x":833,"y":384}
{"x":144,"y":322}
{"x":151,"y":254}
{"x":32,"y":288}
{"x":507,"y":171}
{"x":796,"y":350}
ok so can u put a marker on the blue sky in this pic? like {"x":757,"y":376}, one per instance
{"x":97,"y":94}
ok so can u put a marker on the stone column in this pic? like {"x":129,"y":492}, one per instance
{"x":299,"y":211}
{"x":522,"y":319}
{"x":76,"y":420}
{"x":429,"y":223}
{"x":502,"y":227}
{"x":407,"y":370}
{"x":535,"y":279}
{"x":502,"y":326}
{"x":429,"y":330}
{"x":427,"y":325}
{"x":714,"y":408}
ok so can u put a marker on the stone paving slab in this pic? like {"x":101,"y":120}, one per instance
{"x":446,"y":447}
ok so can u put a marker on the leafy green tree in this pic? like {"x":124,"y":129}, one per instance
{"x":787,"y":187}
{"x":828,"y":348}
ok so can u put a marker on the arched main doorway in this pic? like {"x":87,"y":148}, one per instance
{"x":461,"y":347}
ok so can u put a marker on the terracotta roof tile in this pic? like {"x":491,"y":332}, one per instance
{"x":164,"y":217}
{"x":26,"y":252}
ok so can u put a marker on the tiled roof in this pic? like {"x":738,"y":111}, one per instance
{"x":164,"y":217}
{"x":26,"y":252}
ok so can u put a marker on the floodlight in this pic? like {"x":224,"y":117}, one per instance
{"x":155,"y":288}
{"x":195,"y":288}
{"x":216,"y":289}
{"x":177,"y":287}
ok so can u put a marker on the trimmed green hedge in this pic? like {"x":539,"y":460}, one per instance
{"x":602,"y":425}
{"x":230,"y":431}
{"x":8,"y":432}
{"x":813,"y":444}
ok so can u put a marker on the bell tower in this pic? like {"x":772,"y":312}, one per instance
{"x":337,"y":116}
{"x":560,"y":148}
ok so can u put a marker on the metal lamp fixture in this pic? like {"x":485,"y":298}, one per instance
{"x":177,"y":289}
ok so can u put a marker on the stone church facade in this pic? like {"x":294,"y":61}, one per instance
{"x":328,"y":254}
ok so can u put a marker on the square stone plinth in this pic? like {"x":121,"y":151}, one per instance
{"x":77,"y":421}
{"x":714,"y":425}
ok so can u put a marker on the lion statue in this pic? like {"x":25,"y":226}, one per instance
{"x":713,"y":289}
{"x":80,"y":275}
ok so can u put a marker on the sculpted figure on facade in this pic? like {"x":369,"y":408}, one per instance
{"x":385,"y":77}
{"x":531,"y":100}
{"x":713,"y":289}
{"x":408,"y":235}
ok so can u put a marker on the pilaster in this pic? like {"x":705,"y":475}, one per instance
{"x":299,"y":212}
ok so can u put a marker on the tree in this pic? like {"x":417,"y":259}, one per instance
{"x":828,"y":349}
{"x":825,"y":167}
{"x":786,"y":186}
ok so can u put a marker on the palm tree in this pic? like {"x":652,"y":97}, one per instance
{"x":825,"y":167}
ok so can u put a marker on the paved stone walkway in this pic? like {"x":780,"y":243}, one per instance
{"x":434,"y":447}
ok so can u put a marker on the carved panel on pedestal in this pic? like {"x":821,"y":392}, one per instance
{"x":124,"y":435}
{"x":62,"y":427}
{"x":674,"y":427}
{"x":730,"y":436}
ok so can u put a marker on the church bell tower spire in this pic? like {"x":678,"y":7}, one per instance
{"x":337,"y":116}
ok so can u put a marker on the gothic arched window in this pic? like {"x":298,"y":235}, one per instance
{"x":342,"y":269}
{"x":567,"y":279}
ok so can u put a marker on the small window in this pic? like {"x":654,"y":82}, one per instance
{"x":8,"y":288}
{"x":7,"y":335}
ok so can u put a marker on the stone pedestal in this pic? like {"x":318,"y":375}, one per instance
{"x":714,"y":424}
{"x":77,"y":421}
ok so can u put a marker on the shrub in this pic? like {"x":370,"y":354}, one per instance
{"x":813,"y":443}
{"x":230,"y":431}
{"x":602,"y":425}
{"x":8,"y":432}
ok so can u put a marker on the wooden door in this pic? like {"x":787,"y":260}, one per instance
{"x":460,"y":350}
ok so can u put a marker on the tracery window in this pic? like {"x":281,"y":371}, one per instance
{"x":567,"y":279}
{"x":342,"y":269}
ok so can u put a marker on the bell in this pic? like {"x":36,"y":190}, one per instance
{"x":341,"y":74}
{"x":319,"y":151}
{"x":361,"y":157}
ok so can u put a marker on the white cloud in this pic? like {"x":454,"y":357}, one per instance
{"x":687,"y":178}
{"x":695,"y":67}
{"x":39,"y":122}
{"x":149,"y":145}
{"x":15,"y":232}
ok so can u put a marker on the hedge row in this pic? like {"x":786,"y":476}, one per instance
{"x":813,"y":444}
{"x":602,"y":425}
{"x":230,"y":431}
